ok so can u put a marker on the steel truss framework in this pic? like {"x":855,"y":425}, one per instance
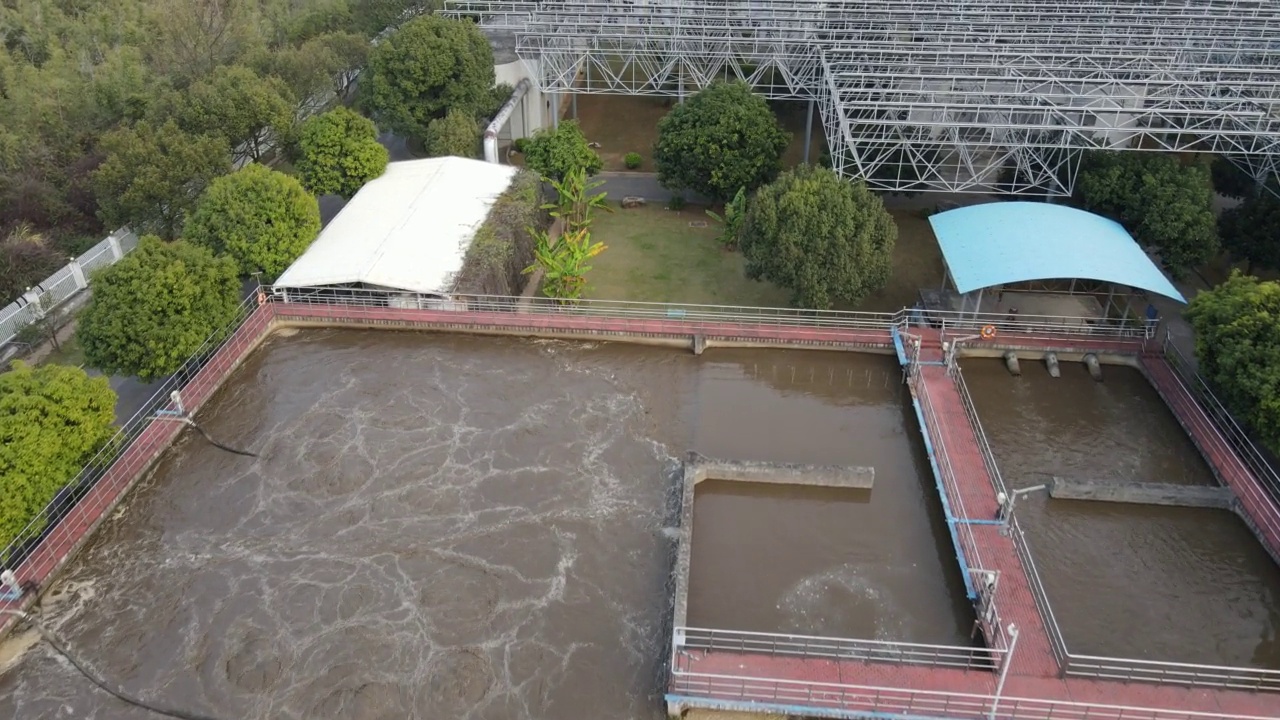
{"x":941,"y":95}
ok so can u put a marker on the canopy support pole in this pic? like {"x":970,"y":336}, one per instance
{"x":977,"y":307}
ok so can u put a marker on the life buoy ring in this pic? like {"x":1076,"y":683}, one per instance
{"x":988,"y":332}
{"x":262,"y":298}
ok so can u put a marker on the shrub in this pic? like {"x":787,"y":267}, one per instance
{"x":826,"y":239}
{"x":556,"y":153}
{"x":676,"y":202}
{"x":520,"y":144}
{"x":633,"y":161}
{"x":722,"y":139}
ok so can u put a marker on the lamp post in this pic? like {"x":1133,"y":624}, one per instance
{"x":1006,"y":503}
{"x":1004,"y":670}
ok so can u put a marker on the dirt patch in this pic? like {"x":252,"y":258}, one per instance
{"x":622,"y":124}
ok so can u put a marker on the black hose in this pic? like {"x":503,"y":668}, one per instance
{"x":219,"y":445}
{"x":120,"y":694}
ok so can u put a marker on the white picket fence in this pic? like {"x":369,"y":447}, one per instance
{"x":64,"y":284}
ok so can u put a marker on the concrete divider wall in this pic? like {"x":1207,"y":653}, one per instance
{"x":1204,"y":496}
{"x":697,"y":468}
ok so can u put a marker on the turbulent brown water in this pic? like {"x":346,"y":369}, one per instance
{"x":447,"y":527}
{"x":1184,"y":584}
{"x":822,"y":561}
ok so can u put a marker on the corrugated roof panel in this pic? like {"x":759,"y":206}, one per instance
{"x":1009,"y":242}
{"x":409,"y":229}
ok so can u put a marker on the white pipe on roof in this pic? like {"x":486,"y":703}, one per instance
{"x":491,"y":132}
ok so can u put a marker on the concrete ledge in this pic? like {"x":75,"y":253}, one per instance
{"x":660,"y":339}
{"x":697,"y":468}
{"x":836,"y":476}
{"x":1201,"y":496}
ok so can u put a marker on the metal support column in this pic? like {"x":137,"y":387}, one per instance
{"x":575,"y":106}
{"x":808,"y":131}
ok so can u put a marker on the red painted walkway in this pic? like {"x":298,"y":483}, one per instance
{"x":1226,"y":463}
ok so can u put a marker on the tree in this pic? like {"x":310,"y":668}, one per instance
{"x":261,"y":218}
{"x":556,"y":153}
{"x":306,"y":70}
{"x":196,"y":36}
{"x":241,"y":106}
{"x":1230,"y":180}
{"x":351,"y":53}
{"x":1164,"y":204}
{"x":152,"y":176}
{"x":53,"y":418}
{"x":374,"y":16}
{"x":457,"y":133}
{"x":1237,"y":328}
{"x":25,"y":259}
{"x":1251,"y":231}
{"x":427,"y":67}
{"x":824,"y":238}
{"x":718,"y":141}
{"x":339,"y":152}
{"x":152,"y":310}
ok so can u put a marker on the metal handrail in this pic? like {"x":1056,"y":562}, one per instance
{"x":984,"y":445}
{"x":882,"y":700}
{"x":1033,"y":325}
{"x":47,"y":524}
{"x":1224,"y":422}
{"x":1057,"y":642}
{"x":612,"y":309}
{"x":1126,"y":669}
{"x":1260,"y":484}
{"x":829,"y":648}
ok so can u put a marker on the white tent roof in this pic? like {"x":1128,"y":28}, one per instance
{"x":408,"y":230}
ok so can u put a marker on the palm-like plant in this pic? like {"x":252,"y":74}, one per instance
{"x":564,"y":262}
{"x":575,"y":200}
{"x":731,"y":221}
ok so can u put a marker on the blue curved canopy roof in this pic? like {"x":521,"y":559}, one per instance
{"x":1009,"y":242}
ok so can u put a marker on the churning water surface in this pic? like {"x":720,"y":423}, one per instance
{"x":448,"y":527}
{"x":1158,"y":583}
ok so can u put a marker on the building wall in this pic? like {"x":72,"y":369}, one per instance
{"x":532,"y":113}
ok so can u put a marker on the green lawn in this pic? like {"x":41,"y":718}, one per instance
{"x":654,"y":255}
